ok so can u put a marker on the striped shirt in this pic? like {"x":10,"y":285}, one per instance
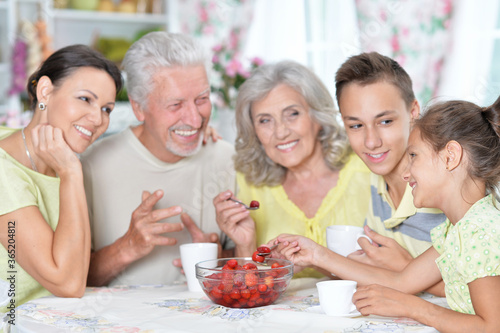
{"x":406,"y":224}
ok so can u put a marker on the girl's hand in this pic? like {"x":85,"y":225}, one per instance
{"x":383,"y":301}
{"x":300,"y":250}
{"x":235,"y":221}
{"x":211,"y":132}
{"x":53,"y":150}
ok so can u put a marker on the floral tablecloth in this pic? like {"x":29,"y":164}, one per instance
{"x":174,"y":309}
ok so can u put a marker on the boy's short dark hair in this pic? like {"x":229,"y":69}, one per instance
{"x":368,"y":68}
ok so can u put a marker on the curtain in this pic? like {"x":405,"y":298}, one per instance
{"x":414,"y":33}
{"x":221,"y":26}
{"x":467,"y":73}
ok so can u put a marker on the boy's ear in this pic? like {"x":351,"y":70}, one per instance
{"x":415,"y":110}
{"x":452,"y":154}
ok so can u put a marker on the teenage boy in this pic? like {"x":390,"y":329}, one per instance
{"x":377,"y":105}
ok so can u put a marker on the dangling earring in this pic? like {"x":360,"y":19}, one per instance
{"x":42,"y":106}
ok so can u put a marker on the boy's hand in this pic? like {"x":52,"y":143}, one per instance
{"x":384,"y":252}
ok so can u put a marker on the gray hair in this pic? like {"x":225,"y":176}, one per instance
{"x":251,"y":158}
{"x":156,"y":50}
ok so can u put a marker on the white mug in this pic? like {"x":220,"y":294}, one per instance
{"x":343,"y":239}
{"x":335,"y":296}
{"x":193,"y":253}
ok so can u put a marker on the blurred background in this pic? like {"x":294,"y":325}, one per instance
{"x":450,"y":48}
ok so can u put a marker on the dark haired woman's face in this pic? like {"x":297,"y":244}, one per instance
{"x":80,"y":106}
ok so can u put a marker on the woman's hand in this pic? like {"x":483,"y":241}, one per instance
{"x":49,"y":146}
{"x":235,"y":221}
{"x":211,"y":132}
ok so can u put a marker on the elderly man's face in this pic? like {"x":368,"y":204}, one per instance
{"x":177,"y":113}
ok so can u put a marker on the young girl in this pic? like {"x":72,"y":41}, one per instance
{"x":454,"y":152}
{"x":44,"y":223}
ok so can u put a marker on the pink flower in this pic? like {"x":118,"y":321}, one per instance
{"x":208,"y":29}
{"x":383,"y":15}
{"x":217,"y":48}
{"x":244,"y":73}
{"x":395,"y":43}
{"x":400,"y":59}
{"x":448,"y":6}
{"x":233,"y":40}
{"x":256,"y":61}
{"x":215,"y":59}
{"x":203,"y":14}
{"x":233,"y":67}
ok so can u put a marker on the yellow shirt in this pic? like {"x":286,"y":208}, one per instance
{"x":23,"y":187}
{"x":344,"y":204}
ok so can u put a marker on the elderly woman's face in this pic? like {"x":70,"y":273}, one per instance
{"x":284,"y":127}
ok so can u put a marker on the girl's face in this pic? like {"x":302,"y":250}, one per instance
{"x":425,"y":172}
{"x":285,"y":129}
{"x":80,"y":106}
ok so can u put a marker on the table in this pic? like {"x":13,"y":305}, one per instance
{"x":172,"y":308}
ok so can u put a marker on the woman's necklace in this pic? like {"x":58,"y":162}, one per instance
{"x":28,"y":152}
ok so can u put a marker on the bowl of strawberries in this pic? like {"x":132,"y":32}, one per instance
{"x":243,"y":282}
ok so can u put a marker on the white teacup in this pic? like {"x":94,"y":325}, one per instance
{"x":343,"y":239}
{"x":193,"y":253}
{"x":335,"y":296}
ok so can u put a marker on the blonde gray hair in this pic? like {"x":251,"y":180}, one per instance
{"x":251,"y":158}
{"x":154,"y":51}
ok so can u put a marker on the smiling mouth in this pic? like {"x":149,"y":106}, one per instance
{"x":84,"y":131}
{"x":287,"y":145}
{"x":376,"y":155}
{"x":186,"y":133}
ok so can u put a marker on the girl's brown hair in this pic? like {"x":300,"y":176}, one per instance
{"x":476,"y":129}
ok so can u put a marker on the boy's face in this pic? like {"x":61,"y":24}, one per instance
{"x":377,"y":122}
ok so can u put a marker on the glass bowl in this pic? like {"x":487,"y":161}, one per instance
{"x":248,"y":284}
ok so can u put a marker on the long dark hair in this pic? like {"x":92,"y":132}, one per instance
{"x":65,"y":61}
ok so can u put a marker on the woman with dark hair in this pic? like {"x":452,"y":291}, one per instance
{"x":293,"y":156}
{"x":44,"y":224}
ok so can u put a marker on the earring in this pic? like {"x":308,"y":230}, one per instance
{"x":42,"y":106}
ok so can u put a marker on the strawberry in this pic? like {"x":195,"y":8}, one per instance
{"x":254,"y":204}
{"x":249,"y":266}
{"x":269,"y":281}
{"x":263,"y":249}
{"x":257,"y":258}
{"x":262,"y":288}
{"x":235,"y":294}
{"x":250,"y":279}
{"x":232,"y":263}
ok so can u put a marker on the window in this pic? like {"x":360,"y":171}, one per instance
{"x":493,"y":85}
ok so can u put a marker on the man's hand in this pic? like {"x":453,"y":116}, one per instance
{"x":197,"y":236}
{"x":145,"y":232}
{"x":384,"y":252}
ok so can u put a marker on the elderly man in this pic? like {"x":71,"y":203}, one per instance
{"x":142,"y":183}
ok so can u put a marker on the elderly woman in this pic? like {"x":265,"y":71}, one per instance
{"x":293,"y":157}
